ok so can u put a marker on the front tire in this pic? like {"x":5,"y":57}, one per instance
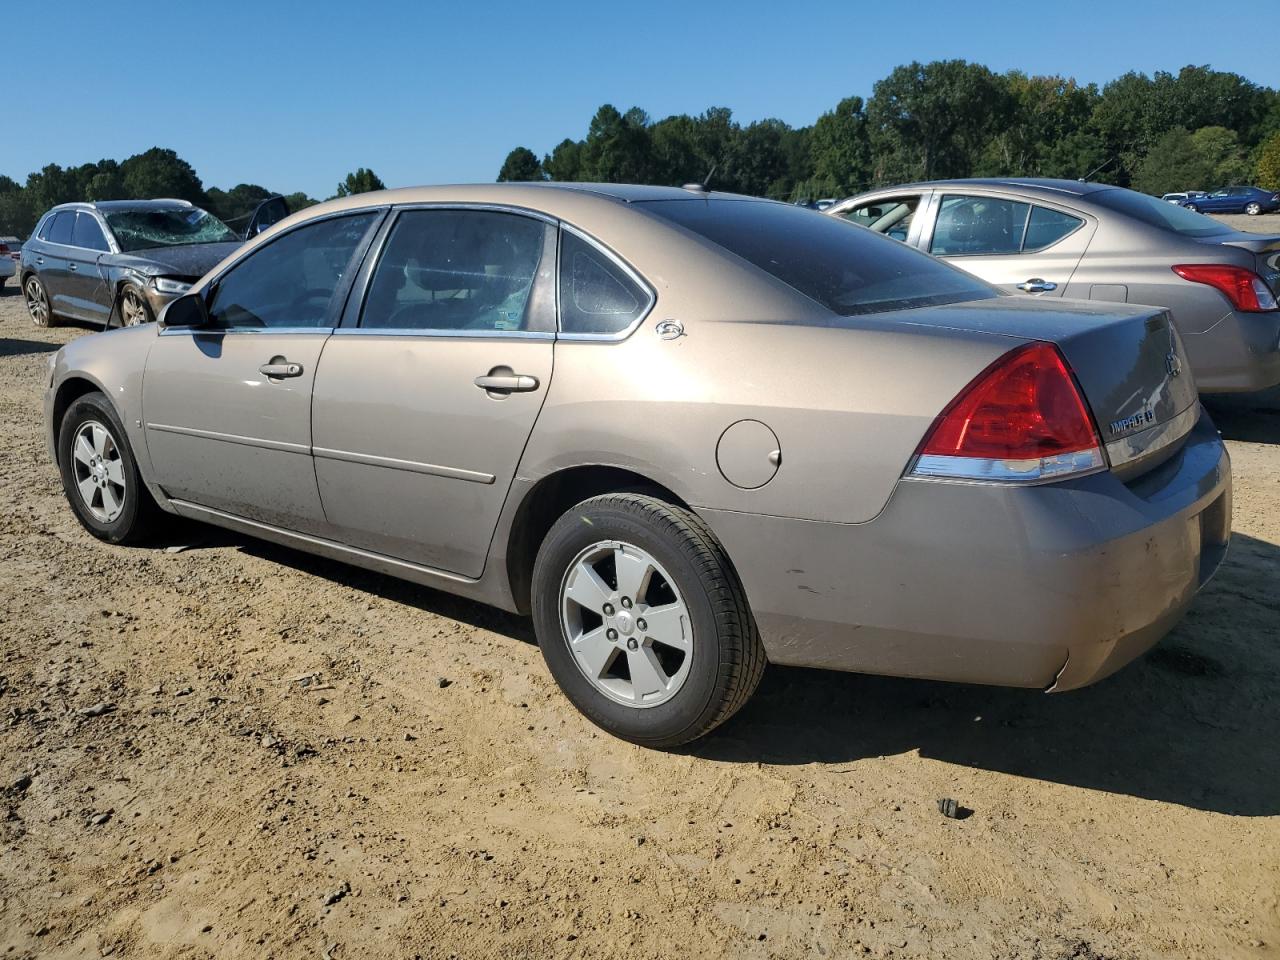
{"x":38,"y":302}
{"x":100,"y":474}
{"x":134,"y":309}
{"x":1192,"y":207}
{"x":642,"y":620}
{"x":1253,"y":209}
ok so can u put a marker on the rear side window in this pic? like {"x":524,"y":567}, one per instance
{"x":291,"y":281}
{"x":63,"y":227}
{"x":847,"y":270}
{"x":597,"y":296}
{"x":1046,"y":227}
{"x":88,"y":234}
{"x":464,"y":271}
{"x":977,"y":226}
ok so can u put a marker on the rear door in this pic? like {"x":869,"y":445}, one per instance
{"x":52,"y":261}
{"x":424,"y":398}
{"x":1016,"y":244}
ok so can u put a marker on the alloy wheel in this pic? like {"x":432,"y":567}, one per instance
{"x":37,"y":302}
{"x":98,"y":471}
{"x":1253,"y":209}
{"x":626,"y":624}
{"x":132,"y":309}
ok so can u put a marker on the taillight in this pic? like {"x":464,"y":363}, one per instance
{"x":1022,"y":418}
{"x":1245,"y":289}
{"x":4,"y":248}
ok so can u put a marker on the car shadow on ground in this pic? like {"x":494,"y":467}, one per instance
{"x":1194,"y":722}
{"x":1251,"y":417}
{"x":10,"y":347}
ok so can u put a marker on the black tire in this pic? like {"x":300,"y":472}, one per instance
{"x":133,"y":309}
{"x":138,"y":514}
{"x":727,"y":658}
{"x":35,"y":294}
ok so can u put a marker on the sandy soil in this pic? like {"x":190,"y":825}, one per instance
{"x":298,"y":759}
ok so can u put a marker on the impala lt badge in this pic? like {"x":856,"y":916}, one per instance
{"x":1139,"y":419}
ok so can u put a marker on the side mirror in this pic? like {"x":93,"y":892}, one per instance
{"x":269,"y":212}
{"x":188,"y":311}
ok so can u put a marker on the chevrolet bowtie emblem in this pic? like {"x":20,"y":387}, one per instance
{"x":1173,"y":363}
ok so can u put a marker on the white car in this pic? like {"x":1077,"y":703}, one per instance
{"x":1181,"y":198}
{"x":10,"y":248}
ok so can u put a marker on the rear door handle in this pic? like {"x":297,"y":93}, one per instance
{"x":508,"y":383}
{"x":1036,"y":285}
{"x":280,"y":370}
{"x":71,"y":266}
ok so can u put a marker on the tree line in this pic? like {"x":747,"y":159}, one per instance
{"x":1197,"y":129}
{"x":145,"y":176}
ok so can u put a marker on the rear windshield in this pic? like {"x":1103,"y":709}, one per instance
{"x":177,"y":227}
{"x":1158,"y":213}
{"x":846,"y":268}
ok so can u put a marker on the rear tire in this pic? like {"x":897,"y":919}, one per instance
{"x":607,"y":564}
{"x":38,"y":307}
{"x":100,"y":473}
{"x":1253,"y":209}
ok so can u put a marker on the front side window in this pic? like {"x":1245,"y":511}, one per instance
{"x":979,"y":226}
{"x":87,"y":233}
{"x":597,"y":296}
{"x":291,"y":281}
{"x":64,"y":224}
{"x":891,"y":216}
{"x":147,"y":228}
{"x":462,"y":270}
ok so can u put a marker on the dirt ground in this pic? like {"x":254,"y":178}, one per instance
{"x":299,"y":759}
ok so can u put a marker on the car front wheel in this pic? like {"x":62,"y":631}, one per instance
{"x":100,"y":474}
{"x":1253,"y":209}
{"x":38,"y":302}
{"x":1192,"y":207}
{"x":642,"y":620}
{"x":134,"y":309}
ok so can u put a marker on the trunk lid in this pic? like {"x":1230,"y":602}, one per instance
{"x":1263,"y":248}
{"x":1128,"y":360}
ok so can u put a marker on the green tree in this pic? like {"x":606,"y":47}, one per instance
{"x":1267,"y":168}
{"x":840,"y":151}
{"x":564,"y":163}
{"x":1173,"y":163}
{"x":932,"y":120}
{"x":160,"y":173}
{"x":239,"y":201}
{"x":521,"y":165}
{"x":361,"y":181}
{"x":1227,"y":160}
{"x":617,"y":147}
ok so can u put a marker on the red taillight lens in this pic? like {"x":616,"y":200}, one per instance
{"x":4,"y":248}
{"x":1022,"y":419}
{"x":1245,"y":289}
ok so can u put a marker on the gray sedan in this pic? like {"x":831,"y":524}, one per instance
{"x":1063,"y":238}
{"x":687,"y":432}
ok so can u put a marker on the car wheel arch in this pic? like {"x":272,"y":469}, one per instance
{"x":548,"y":500}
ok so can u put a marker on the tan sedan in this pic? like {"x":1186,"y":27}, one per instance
{"x":688,"y":432}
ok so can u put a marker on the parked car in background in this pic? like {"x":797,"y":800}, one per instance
{"x":121,"y":261}
{"x":1181,"y":198}
{"x":10,"y":248}
{"x":1089,"y":241}
{"x":765,"y":434}
{"x":1250,"y":200}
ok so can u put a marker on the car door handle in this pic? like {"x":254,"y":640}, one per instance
{"x":1036,"y":285}
{"x":279,"y":370}
{"x":39,"y":259}
{"x":71,"y":266}
{"x":508,"y":383}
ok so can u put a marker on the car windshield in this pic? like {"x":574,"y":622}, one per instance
{"x":846,"y":268}
{"x":140,"y":229}
{"x":1158,"y":213}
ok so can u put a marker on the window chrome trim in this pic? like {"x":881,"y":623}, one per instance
{"x":1153,"y":439}
{"x":235,"y":331}
{"x":445,"y":334}
{"x":625,"y":267}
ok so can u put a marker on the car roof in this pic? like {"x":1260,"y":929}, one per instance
{"x":1043,"y":185}
{"x":108,"y":205}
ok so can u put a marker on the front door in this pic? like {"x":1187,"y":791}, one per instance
{"x":228,"y":405}
{"x":1020,"y":247}
{"x":894,"y":216}
{"x":422,"y":411}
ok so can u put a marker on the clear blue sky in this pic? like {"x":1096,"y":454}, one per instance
{"x":294,"y":95}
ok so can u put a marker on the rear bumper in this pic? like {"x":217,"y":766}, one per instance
{"x":1240,"y":353}
{"x":1045,"y":586}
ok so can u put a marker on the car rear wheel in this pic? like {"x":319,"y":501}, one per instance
{"x":642,"y":620}
{"x":1253,"y":209}
{"x":134,"y":309}
{"x":100,"y":474}
{"x":38,"y":302}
